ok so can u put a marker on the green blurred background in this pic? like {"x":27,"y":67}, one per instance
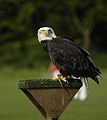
{"x":22,"y":57}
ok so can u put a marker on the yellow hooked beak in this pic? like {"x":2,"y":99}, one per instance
{"x":45,"y":32}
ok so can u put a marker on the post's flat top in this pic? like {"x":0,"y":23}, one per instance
{"x":48,"y":83}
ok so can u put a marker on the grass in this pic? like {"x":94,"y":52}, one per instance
{"x":14,"y":105}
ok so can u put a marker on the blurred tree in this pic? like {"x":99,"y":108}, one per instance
{"x":85,"y":16}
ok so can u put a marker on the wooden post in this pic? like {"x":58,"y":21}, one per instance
{"x":49,"y":96}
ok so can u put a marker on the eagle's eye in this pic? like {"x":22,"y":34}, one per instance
{"x":42,"y":30}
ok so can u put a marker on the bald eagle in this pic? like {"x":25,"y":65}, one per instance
{"x":70,"y":59}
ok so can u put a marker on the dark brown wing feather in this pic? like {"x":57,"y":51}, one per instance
{"x":70,"y":59}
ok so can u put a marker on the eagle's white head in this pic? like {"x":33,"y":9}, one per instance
{"x":45,"y":33}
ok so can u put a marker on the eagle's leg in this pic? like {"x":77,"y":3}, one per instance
{"x":61,"y":77}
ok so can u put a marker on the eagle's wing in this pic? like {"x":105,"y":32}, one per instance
{"x":71,"y":60}
{"x":65,"y":55}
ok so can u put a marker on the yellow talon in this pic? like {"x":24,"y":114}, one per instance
{"x":61,"y":77}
